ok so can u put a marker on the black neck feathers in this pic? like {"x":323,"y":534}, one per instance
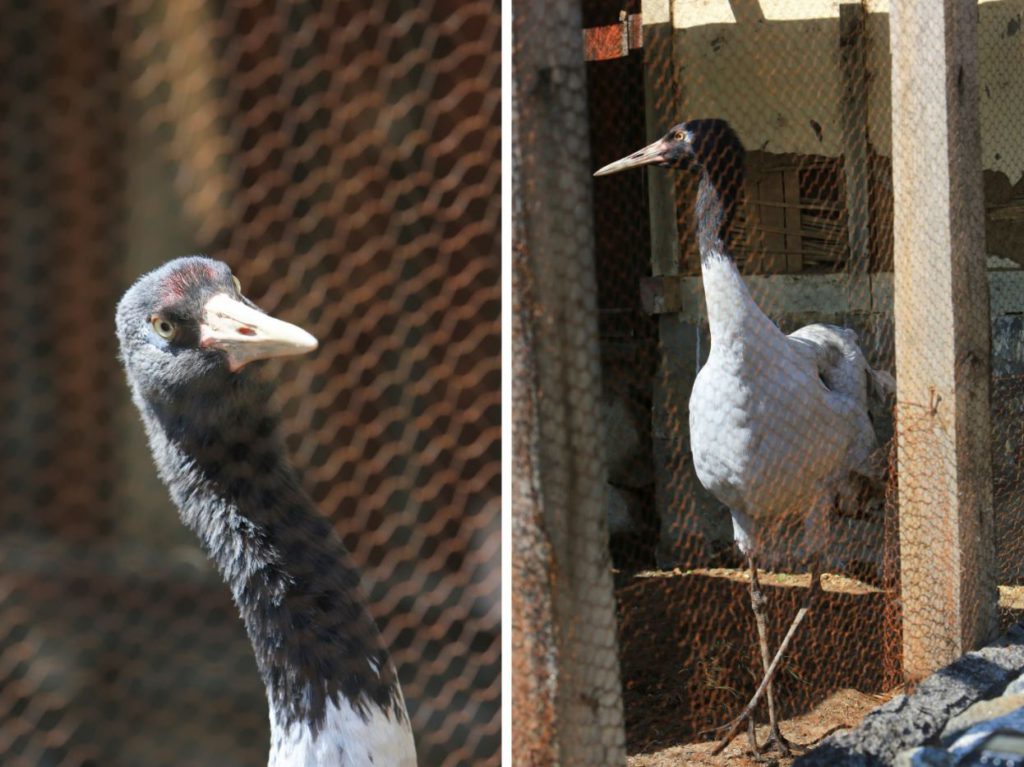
{"x":718,"y":196}
{"x":297,"y":592}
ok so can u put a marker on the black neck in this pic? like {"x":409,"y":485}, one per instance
{"x":718,"y":196}
{"x":296,"y":590}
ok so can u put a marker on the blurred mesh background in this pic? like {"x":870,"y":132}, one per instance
{"x":343,"y":159}
{"x":807,"y":87}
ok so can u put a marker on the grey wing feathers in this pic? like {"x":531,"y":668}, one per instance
{"x":841,"y":364}
{"x":844,"y":370}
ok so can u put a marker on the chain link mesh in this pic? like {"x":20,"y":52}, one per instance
{"x":566,"y":704}
{"x":807,"y":86}
{"x":343,"y":159}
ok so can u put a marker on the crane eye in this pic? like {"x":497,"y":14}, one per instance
{"x":163,"y":327}
{"x":680,"y":135}
{"x":238,"y":285}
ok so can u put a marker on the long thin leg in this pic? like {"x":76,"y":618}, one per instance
{"x":812,"y":595}
{"x":757,"y":600}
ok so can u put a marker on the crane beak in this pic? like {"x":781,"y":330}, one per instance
{"x":649,"y":155}
{"x":246,"y":334}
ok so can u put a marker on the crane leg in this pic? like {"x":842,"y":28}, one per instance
{"x":773,"y":667}
{"x":757,"y":600}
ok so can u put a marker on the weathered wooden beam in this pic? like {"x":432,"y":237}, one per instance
{"x":819,"y":297}
{"x":942,"y":335}
{"x":793,"y":249}
{"x":854,"y":109}
{"x":566,"y":692}
{"x":661,"y":102}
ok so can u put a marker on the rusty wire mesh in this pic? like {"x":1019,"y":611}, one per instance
{"x":343,"y":159}
{"x":999,"y":26}
{"x":807,"y":87}
{"x":566,"y":706}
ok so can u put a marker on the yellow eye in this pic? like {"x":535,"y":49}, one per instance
{"x":238,"y":285}
{"x":680,"y":135}
{"x":163,"y":327}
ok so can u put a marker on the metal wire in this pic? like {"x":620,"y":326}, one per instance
{"x":807,"y":87}
{"x":343,"y":159}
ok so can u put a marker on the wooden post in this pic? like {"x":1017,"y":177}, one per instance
{"x":566,"y":693}
{"x":855,"y":133}
{"x":661,"y":101}
{"x":942,"y":335}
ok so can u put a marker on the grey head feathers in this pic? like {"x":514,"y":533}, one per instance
{"x":187,"y":336}
{"x":711,"y":148}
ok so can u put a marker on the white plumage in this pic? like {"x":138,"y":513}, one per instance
{"x":348,"y":739}
{"x":779,"y":425}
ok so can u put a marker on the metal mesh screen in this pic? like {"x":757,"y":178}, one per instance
{"x":1001,"y":143}
{"x":566,"y":707}
{"x":343,"y":159}
{"x":808,"y":89}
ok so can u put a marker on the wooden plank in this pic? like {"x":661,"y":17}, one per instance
{"x":822,"y":297}
{"x":819,"y":297}
{"x":747,"y":229}
{"x":942,"y":335}
{"x":566,"y":692}
{"x":661,"y":102}
{"x":771,"y":222}
{"x":793,"y":250}
{"x":854,"y":110}
{"x":880,"y":212}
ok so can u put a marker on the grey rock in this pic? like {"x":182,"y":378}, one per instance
{"x":1012,"y":722}
{"x":924,"y":756}
{"x":978,"y":712}
{"x":906,"y":722}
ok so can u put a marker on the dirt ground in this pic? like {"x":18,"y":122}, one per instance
{"x":841,"y":710}
{"x":690,"y":661}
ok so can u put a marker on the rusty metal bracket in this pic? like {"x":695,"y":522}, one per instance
{"x":614,"y":41}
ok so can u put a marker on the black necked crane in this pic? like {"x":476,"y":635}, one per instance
{"x":188,"y":337}
{"x":779,"y":424}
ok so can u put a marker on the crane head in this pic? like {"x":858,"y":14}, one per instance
{"x":188,"y":321}
{"x":707,"y":145}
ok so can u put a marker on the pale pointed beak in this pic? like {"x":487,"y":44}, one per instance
{"x":650,"y":154}
{"x":246,"y":334}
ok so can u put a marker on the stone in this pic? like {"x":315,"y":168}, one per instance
{"x":906,"y":722}
{"x":924,"y":756}
{"x":978,"y":712}
{"x":1011,"y":722}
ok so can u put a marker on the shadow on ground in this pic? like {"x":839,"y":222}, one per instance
{"x":690,"y":660}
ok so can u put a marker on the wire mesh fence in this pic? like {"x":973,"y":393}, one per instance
{"x":724,"y":438}
{"x":343,"y":160}
{"x":566,"y":703}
